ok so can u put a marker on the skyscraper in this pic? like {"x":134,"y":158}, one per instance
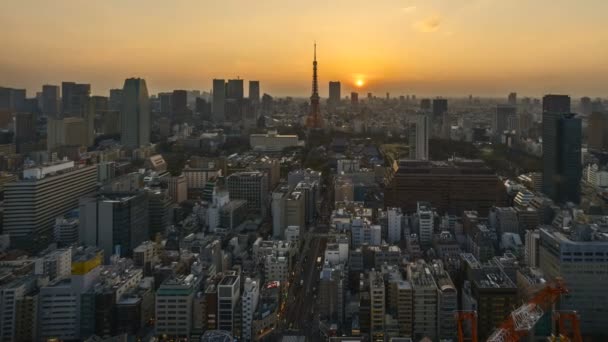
{"x":334,"y":93}
{"x":75,"y":98}
{"x":50,"y":100}
{"x":504,"y":119}
{"x":179,"y":102}
{"x":219,"y":100}
{"x":425,"y":105}
{"x":598,"y":131}
{"x":115,"y":101}
{"x":254,"y":92}
{"x":512,"y":99}
{"x":135,"y":116}
{"x":314,"y":119}
{"x":440,"y":106}
{"x":354,"y":99}
{"x":562,"y":135}
{"x":422,"y":137}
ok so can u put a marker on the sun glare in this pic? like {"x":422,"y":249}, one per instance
{"x":359,"y":83}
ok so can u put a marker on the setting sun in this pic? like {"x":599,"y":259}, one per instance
{"x":359,"y":83}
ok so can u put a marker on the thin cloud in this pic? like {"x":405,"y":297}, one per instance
{"x":430,"y":24}
{"x":408,"y":9}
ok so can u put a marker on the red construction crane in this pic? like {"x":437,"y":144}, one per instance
{"x":524,"y":318}
{"x":562,"y":318}
{"x":462,"y":316}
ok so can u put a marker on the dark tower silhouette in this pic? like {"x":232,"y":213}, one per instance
{"x":314,"y":120}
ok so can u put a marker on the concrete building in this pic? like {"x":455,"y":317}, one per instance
{"x":228,"y":294}
{"x":116,"y":222}
{"x":272,"y":141}
{"x":177,"y":187}
{"x":454,"y":185}
{"x":334,"y":93}
{"x":424,"y":216}
{"x":422,"y":132}
{"x":12,"y":294}
{"x":45,"y":193}
{"x":279,"y":198}
{"x":579,"y":258}
{"x":295,"y":209}
{"x":135,"y":114}
{"x":251,"y":297}
{"x":394,"y":217}
{"x":332,"y":290}
{"x":503,"y":118}
{"x":276,"y":267}
{"x":597,"y":131}
{"x":405,"y":307}
{"x":425,"y":300}
{"x":252,"y":187}
{"x":219,"y":100}
{"x":447,"y":301}
{"x":51,"y":101}
{"x":562,"y":139}
{"x":59,"y":313}
{"x":174,"y":300}
{"x":377,"y":292}
{"x":362,"y":232}
{"x":66,"y":230}
{"x":504,"y":220}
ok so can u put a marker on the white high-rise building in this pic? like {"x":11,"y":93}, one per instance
{"x":425,"y":222}
{"x":135,"y":114}
{"x":394,"y":216}
{"x":425,"y":300}
{"x":251,"y":296}
{"x":532,"y":248}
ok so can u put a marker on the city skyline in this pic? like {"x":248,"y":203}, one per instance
{"x":401,"y":47}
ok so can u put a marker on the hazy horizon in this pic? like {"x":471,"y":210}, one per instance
{"x":487,"y":48}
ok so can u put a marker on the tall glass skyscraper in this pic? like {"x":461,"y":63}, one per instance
{"x":562,"y":136}
{"x":135,"y":116}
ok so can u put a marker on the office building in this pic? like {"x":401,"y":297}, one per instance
{"x":450,"y":186}
{"x":179,"y":102}
{"x":425,"y":300}
{"x":447,"y":301}
{"x":12,"y":100}
{"x":249,"y":186}
{"x":251,"y":297}
{"x":504,"y":120}
{"x":66,"y":230}
{"x":115,"y":100}
{"x":440,"y":106}
{"x":25,"y":129}
{"x":488,"y":290}
{"x":116,"y":222}
{"x":75,"y":99}
{"x":354,"y":99}
{"x":377,"y":292}
{"x":295,"y":209}
{"x":13,"y":294}
{"x":405,"y":307}
{"x":512,"y":99}
{"x":31,"y":205}
{"x":135,"y":114}
{"x":279,"y":198}
{"x":272,"y":141}
{"x":228,"y":295}
{"x":423,"y":130}
{"x":424,"y":216}
{"x":579,"y":258}
{"x":219,"y":100}
{"x":51,"y":101}
{"x":177,"y":187}
{"x":254,"y":92}
{"x":362,"y":232}
{"x":425,"y":105}
{"x":394,"y":217}
{"x":174,"y":299}
{"x":562,"y":139}
{"x":334,"y":93}
{"x":61,"y":301}
{"x":598,"y":131}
